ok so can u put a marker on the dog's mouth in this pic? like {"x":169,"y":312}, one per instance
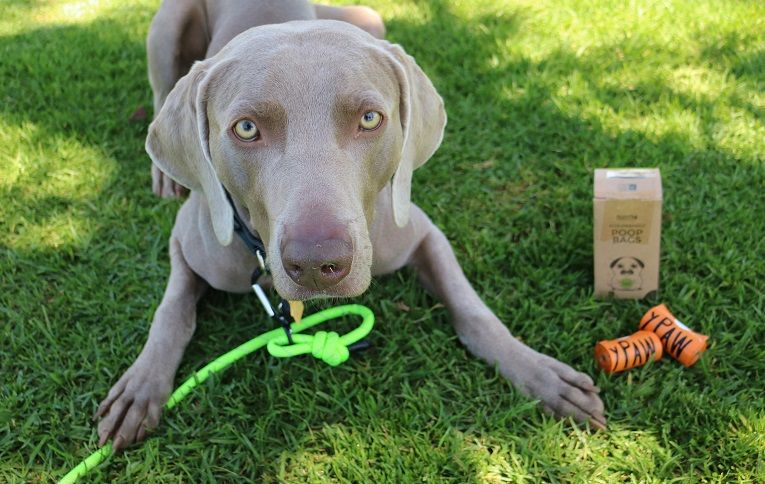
{"x":628,"y":272}
{"x":344,"y":289}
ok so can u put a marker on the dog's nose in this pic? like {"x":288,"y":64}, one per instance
{"x":318,"y":259}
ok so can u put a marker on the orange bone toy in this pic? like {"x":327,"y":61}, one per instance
{"x":628,"y":352}
{"x":683,"y":344}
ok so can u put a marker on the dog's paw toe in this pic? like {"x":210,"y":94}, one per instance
{"x":131,"y":409}
{"x":565,"y":392}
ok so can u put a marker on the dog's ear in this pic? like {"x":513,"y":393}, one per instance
{"x":616,"y":261}
{"x":640,"y":262}
{"x":178,"y":143}
{"x":423,"y":120}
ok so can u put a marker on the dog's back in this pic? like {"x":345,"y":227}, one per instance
{"x":232,"y":17}
{"x":185,"y":31}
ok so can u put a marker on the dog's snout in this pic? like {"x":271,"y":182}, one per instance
{"x":317,"y":265}
{"x":317,"y":257}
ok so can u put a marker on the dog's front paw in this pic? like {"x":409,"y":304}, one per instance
{"x":562,"y":391}
{"x":133,"y":406}
{"x":164,"y":186}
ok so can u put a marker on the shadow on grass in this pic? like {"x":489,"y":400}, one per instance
{"x":507,"y":147}
{"x":69,"y":90}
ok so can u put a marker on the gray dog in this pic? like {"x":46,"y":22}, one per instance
{"x":314,"y":126}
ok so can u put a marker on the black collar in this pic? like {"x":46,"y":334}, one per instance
{"x":255,"y":245}
{"x":253,"y":242}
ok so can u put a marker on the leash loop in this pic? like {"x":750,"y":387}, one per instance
{"x":330,"y":347}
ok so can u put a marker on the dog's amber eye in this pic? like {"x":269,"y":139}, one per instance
{"x":246,"y":130}
{"x":370,"y":121}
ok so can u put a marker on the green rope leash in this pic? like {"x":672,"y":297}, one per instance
{"x":329,"y":347}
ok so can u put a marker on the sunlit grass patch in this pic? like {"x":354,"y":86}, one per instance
{"x":50,"y":183}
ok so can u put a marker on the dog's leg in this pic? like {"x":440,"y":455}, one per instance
{"x":562,"y":390}
{"x":362,"y":17}
{"x":177,"y":37}
{"x":135,"y":402}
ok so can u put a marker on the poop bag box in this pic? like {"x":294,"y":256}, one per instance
{"x":627,"y":232}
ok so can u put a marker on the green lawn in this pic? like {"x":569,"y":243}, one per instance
{"x":539,"y":93}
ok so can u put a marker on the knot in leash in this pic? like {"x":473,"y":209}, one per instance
{"x":327,"y":347}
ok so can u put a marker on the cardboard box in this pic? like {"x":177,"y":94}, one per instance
{"x":627,"y":232}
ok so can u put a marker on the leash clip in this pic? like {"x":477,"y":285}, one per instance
{"x":283,"y":317}
{"x":261,"y":261}
{"x":263,"y":299}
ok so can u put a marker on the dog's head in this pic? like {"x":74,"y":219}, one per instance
{"x":627,"y":266}
{"x":304,"y":123}
{"x":626,"y":273}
